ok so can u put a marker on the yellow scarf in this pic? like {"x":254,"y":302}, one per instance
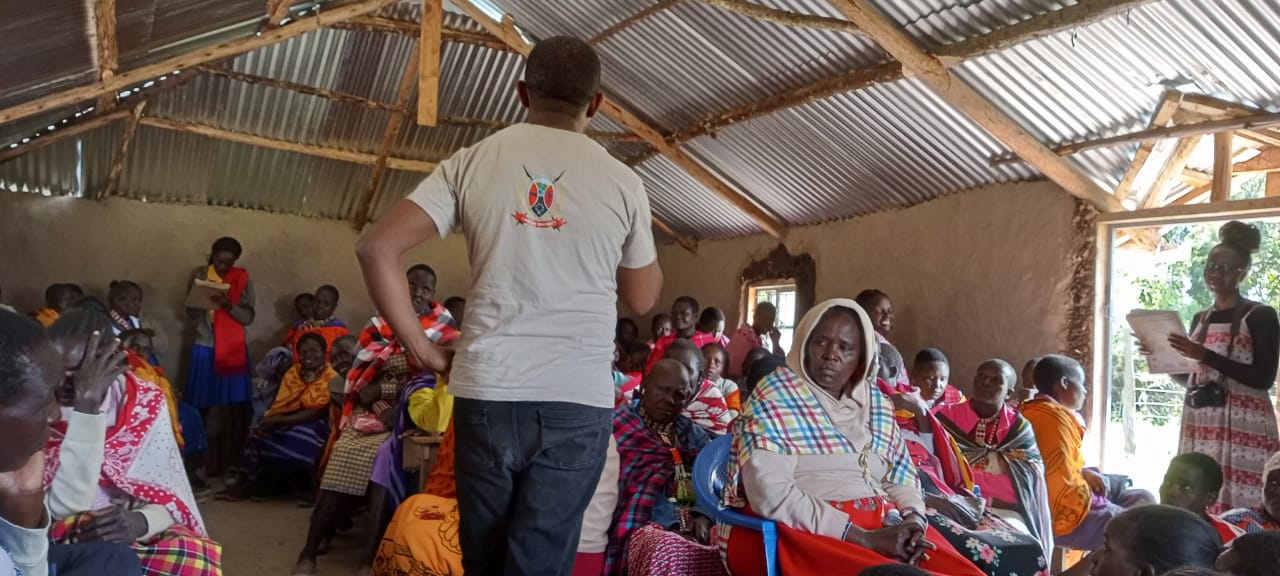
{"x":297,"y":394}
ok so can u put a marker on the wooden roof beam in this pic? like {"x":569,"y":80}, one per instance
{"x":963,"y":97}
{"x":394,"y":126}
{"x":106,"y":48}
{"x":1163,"y":115}
{"x":1173,"y":168}
{"x":277,"y":11}
{"x":630,"y":20}
{"x":783,"y":17}
{"x":88,"y":125}
{"x":408,"y":28}
{"x":507,"y":31}
{"x":117,"y":165}
{"x":195,"y":57}
{"x":284,"y":145}
{"x":429,"y":47}
{"x":1267,"y":161}
{"x":1223,"y":158}
{"x":1082,"y":13}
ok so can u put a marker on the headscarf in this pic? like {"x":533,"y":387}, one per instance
{"x":784,"y":415}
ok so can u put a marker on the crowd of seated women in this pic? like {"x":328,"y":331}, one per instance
{"x":863,"y":459}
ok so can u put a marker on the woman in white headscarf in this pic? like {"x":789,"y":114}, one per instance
{"x":817,"y":450}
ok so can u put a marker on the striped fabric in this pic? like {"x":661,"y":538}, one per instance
{"x":178,"y":551}
{"x":378,"y":343}
{"x":783,"y":416}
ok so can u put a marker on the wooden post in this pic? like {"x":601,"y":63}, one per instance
{"x":429,"y":62}
{"x":194,"y":57}
{"x":1273,"y":185}
{"x":389,"y":135}
{"x":982,"y":111}
{"x":1222,"y":160}
{"x":117,"y":165}
{"x":106,"y":48}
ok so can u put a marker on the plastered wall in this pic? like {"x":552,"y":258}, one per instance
{"x":978,"y":274}
{"x":45,"y":240}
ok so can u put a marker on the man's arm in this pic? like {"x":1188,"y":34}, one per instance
{"x":380,"y":252}
{"x":639,"y":288}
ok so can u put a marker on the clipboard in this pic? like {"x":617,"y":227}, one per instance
{"x":1153,"y":328}
{"x":202,"y":293}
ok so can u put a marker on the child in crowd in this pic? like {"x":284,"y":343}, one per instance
{"x":708,"y":408}
{"x":58,"y":298}
{"x":1153,"y":541}
{"x":1081,"y":501}
{"x":717,"y":359}
{"x":660,"y":328}
{"x":626,"y":332}
{"x":930,"y":375}
{"x":1026,"y":388}
{"x":304,"y":305}
{"x":322,"y":321}
{"x":1192,"y":483}
{"x":711,"y":321}
{"x":1255,"y":554}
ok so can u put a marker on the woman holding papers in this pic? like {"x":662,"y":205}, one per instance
{"x":1229,"y":414}
{"x":220,"y":373}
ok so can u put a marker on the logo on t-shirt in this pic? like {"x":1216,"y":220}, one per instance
{"x":541,"y":210}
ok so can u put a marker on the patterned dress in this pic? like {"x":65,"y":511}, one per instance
{"x":1242,"y":434}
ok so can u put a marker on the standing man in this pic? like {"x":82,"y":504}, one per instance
{"x":557,"y":230}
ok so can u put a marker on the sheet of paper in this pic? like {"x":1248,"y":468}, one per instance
{"x":202,"y":292}
{"x":1153,"y":328}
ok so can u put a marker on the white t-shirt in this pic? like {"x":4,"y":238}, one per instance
{"x":549,"y":216}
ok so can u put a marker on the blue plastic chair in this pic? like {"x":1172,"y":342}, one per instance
{"x":709,"y":474}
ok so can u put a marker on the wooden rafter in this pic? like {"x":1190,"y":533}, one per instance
{"x":394,"y":126}
{"x":106,"y":47}
{"x":195,"y":57}
{"x":1267,"y":161}
{"x":1240,"y":209}
{"x":1273,"y":185}
{"x":407,"y":28}
{"x":117,"y":165}
{"x":688,"y":243}
{"x":631,"y":20}
{"x":783,"y":17}
{"x":963,"y":97}
{"x":284,"y":145}
{"x":507,"y":31}
{"x":1173,"y":167}
{"x":1164,"y":114}
{"x":277,"y":11}
{"x":808,"y":93}
{"x":1223,"y":155}
{"x":63,"y":133}
{"x":1080,"y":14}
{"x":429,"y":62}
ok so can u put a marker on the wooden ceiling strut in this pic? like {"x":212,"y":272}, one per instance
{"x":395,"y":125}
{"x":1172,"y":169}
{"x":117,"y":165}
{"x":507,"y":31}
{"x":1266,"y":161}
{"x":1223,"y":158}
{"x":429,"y":62}
{"x":1078,"y":15}
{"x":631,"y":20}
{"x":106,"y":48}
{"x":1273,"y":185}
{"x":784,"y":17}
{"x":1216,"y":109}
{"x":284,"y":145}
{"x":62,"y":134}
{"x":277,"y":11}
{"x":1231,"y":209}
{"x":409,"y":28}
{"x":688,"y":243}
{"x":130,"y":78}
{"x":1163,"y":115}
{"x":963,"y":97}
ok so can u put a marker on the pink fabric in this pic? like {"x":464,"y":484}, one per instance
{"x":742,"y":342}
{"x":995,"y":486}
{"x":657,"y":552}
{"x":699,"y":339}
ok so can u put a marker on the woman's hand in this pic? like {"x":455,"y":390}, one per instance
{"x":425,"y":354}
{"x":370,"y":394}
{"x":221,"y":300}
{"x":911,"y":402}
{"x":904,"y":542}
{"x":1097,"y":484}
{"x":102,"y":364}
{"x":114,"y":525}
{"x":1188,"y":348}
{"x":702,"y":527}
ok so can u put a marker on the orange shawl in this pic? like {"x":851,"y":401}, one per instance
{"x":297,"y":394}
{"x":1060,"y":435}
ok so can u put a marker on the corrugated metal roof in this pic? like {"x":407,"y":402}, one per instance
{"x":884,"y":146}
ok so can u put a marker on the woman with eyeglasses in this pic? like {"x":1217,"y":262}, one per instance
{"x":1229,"y":415}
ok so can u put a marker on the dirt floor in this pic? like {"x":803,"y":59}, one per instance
{"x":263,"y":539}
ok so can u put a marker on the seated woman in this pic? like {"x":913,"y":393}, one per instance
{"x":817,"y":450}
{"x":1266,"y":515}
{"x":287,"y":442}
{"x":711,"y":321}
{"x":113,"y":470}
{"x":422,"y":537}
{"x":1000,"y":447}
{"x":58,"y":298}
{"x":374,"y":383}
{"x":1192,"y":483}
{"x":1153,"y":541}
{"x":716,"y":359}
{"x":931,"y":375}
{"x":948,"y":482}
{"x":880,"y":308}
{"x":708,"y":408}
{"x":655,"y":528}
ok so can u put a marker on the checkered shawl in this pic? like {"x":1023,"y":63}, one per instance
{"x":647,"y":473}
{"x":378,"y":343}
{"x":784,"y":416}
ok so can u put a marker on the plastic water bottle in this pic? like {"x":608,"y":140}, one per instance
{"x":977,"y":490}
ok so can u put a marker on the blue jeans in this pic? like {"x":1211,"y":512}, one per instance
{"x":526,"y":472}
{"x":93,"y":559}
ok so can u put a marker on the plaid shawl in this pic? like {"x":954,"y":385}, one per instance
{"x":647,"y":473}
{"x":378,"y":343}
